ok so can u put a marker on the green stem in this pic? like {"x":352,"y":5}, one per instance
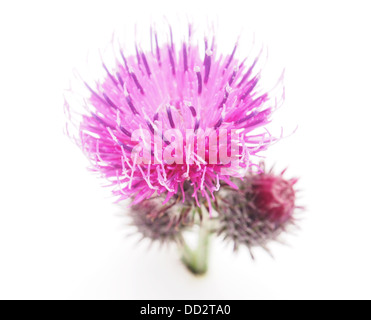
{"x":197,"y":260}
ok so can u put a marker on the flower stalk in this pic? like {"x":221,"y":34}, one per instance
{"x":197,"y":261}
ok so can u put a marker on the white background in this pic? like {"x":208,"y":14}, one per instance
{"x":60,"y":234}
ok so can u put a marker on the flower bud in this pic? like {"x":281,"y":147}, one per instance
{"x":259,"y":211}
{"x":159,"y":222}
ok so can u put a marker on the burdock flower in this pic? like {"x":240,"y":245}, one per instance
{"x":172,"y":116}
{"x":259,"y":211}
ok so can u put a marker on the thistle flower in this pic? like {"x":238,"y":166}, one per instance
{"x":174,"y":86}
{"x":259,"y":211}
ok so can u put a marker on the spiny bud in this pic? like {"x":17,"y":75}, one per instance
{"x":273,"y":196}
{"x":259,"y":211}
{"x":159,"y":222}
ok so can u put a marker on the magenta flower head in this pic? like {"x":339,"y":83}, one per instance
{"x":176,"y":117}
{"x":259,"y":211}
